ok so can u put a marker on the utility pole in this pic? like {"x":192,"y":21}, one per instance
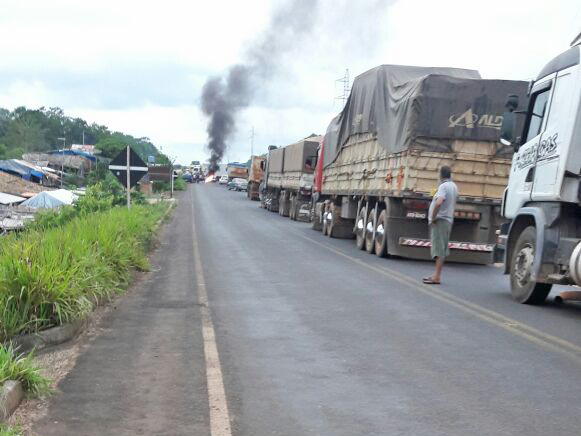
{"x":252,"y":142}
{"x":62,"y":159}
{"x":346,"y":88}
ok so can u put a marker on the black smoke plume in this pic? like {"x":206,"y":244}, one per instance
{"x":224,"y":97}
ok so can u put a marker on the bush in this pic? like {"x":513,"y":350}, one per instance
{"x":97,"y":198}
{"x":53,"y":274}
{"x":160,"y":186}
{"x":7,"y":430}
{"x":22,"y":368}
{"x":179,"y":184}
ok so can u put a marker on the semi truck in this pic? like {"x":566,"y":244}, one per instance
{"x":288,"y":180}
{"x":236,"y":170}
{"x":378,"y":165}
{"x":255,"y":176}
{"x":542,"y":241}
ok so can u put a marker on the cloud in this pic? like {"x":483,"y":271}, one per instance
{"x":139,"y":66}
{"x":120,"y":86}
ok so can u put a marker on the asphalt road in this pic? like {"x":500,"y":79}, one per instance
{"x":318,"y":338}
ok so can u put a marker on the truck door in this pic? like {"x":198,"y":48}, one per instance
{"x":554,"y":140}
{"x":523,"y":162}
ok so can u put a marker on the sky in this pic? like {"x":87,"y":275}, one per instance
{"x":139,"y":66}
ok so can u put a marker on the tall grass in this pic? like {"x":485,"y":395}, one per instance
{"x":51,"y":275}
{"x":21,"y":367}
{"x":7,"y":430}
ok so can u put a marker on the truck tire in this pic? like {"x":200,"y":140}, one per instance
{"x":369,"y":228}
{"x":327,"y":218}
{"x":316,"y":217}
{"x":381,"y":235}
{"x":337,"y":227}
{"x":293,"y":208}
{"x":360,"y":228}
{"x":523,"y":288}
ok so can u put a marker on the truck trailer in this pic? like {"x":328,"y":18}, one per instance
{"x":288,"y":180}
{"x":236,"y":170}
{"x":378,"y":166}
{"x":542,"y":241}
{"x":255,"y":176}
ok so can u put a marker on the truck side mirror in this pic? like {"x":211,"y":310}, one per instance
{"x":508,"y":123}
{"x":507,"y":128}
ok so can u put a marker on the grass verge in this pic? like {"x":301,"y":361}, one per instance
{"x":53,"y":275}
{"x":21,"y":367}
{"x":8,"y":430}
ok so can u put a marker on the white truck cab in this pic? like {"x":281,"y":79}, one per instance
{"x":543,"y":197}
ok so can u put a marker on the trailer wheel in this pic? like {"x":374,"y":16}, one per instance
{"x":369,"y":237}
{"x":283,"y":204}
{"x":523,"y":288}
{"x":316,"y":216}
{"x":381,"y":235}
{"x":360,"y":228}
{"x":328,"y":220}
{"x":293,"y":208}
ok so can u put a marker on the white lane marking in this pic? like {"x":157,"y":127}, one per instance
{"x":219,"y":415}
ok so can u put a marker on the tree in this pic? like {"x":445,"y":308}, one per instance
{"x":26,"y":134}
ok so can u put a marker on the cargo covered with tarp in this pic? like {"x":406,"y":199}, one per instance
{"x":401,"y":124}
{"x":275,"y":160}
{"x":422,"y":108}
{"x":301,"y":154}
{"x":292,"y":167}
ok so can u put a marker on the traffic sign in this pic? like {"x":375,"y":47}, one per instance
{"x":160,"y":172}
{"x":137,"y":168}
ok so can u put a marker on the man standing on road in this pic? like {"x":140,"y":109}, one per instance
{"x":440,"y":220}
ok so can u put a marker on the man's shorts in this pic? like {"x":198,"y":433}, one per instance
{"x":440,"y":236}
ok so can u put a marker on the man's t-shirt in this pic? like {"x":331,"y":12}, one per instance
{"x":449,"y":191}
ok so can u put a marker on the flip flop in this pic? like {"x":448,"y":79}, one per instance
{"x":429,"y":281}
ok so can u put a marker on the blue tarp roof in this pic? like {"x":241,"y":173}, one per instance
{"x":11,"y":166}
{"x":75,"y":153}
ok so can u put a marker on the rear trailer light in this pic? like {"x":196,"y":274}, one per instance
{"x":461,"y":214}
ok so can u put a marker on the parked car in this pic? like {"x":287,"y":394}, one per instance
{"x":240,"y":184}
{"x":187,"y":177}
{"x":231,"y":185}
{"x":223,"y":179}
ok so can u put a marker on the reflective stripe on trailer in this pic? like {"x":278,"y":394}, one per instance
{"x":465,"y":246}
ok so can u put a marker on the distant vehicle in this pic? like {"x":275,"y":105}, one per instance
{"x":216,"y":178}
{"x":188,"y":177}
{"x":237,"y":170}
{"x":231,"y":185}
{"x":223,"y":179}
{"x":255,"y":176}
{"x":240,"y":184}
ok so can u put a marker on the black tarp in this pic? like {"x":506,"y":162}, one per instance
{"x":422,"y":108}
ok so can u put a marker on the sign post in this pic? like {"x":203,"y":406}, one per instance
{"x":128,"y":187}
{"x":171,"y":195}
{"x":129,"y":168}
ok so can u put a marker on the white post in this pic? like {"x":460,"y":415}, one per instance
{"x":63,"y":164}
{"x":171,"y":175}
{"x":128,"y":178}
